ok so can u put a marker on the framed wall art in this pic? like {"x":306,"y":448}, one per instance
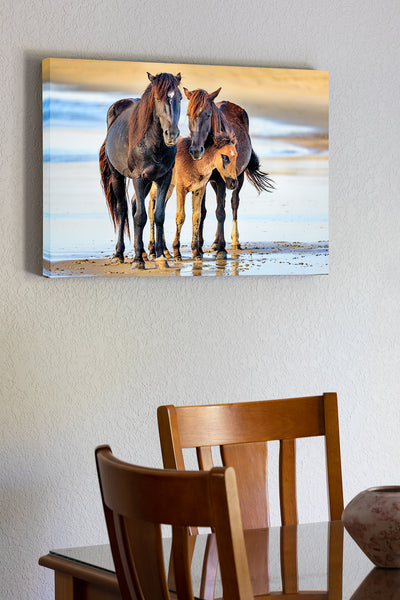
{"x":166,"y":170}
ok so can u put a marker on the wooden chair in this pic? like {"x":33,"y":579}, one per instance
{"x":242,"y":431}
{"x":137,"y":500}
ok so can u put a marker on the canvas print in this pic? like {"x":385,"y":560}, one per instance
{"x":174,"y":170}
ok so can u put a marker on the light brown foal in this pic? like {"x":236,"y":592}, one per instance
{"x":192,"y":176}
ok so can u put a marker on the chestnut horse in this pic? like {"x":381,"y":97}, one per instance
{"x":192,"y":176}
{"x":206,"y":120}
{"x":141,"y":145}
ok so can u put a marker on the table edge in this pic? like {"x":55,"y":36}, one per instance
{"x":80,"y":571}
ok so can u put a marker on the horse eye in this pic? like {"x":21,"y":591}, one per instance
{"x":225,"y":159}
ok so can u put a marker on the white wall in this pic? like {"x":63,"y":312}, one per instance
{"x":88,"y":361}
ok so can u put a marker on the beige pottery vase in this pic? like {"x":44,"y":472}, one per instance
{"x":372,"y":519}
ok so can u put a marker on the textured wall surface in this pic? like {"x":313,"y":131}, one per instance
{"x":88,"y":361}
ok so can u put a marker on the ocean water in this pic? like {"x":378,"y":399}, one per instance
{"x":76,"y":220}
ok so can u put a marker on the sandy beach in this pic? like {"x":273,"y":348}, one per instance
{"x":253,"y":259}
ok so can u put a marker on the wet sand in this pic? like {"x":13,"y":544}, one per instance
{"x":274,"y":258}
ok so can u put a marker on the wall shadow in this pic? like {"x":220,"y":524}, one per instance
{"x":32,"y":163}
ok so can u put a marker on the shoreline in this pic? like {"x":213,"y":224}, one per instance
{"x":274,"y":258}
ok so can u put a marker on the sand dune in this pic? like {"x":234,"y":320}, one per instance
{"x":299,"y":95}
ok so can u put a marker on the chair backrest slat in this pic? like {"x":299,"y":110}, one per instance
{"x":287,"y":481}
{"x":204,"y":458}
{"x":250,"y":464}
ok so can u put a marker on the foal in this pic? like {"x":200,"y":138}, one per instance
{"x":192,"y":176}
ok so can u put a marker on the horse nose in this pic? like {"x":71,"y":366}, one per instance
{"x":171,"y":136}
{"x":196,"y":153}
{"x":231,"y":183}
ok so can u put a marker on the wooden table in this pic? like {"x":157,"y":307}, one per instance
{"x":310,"y":562}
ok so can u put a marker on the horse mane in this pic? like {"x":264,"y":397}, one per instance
{"x":218,"y":122}
{"x":142,"y":116}
{"x":198,"y":102}
{"x":223,"y":138}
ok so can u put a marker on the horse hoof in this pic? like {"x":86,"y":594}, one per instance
{"x":167,"y":254}
{"x":177,"y":256}
{"x":221,"y":255}
{"x":152,"y":256}
{"x":236,"y":247}
{"x":144,"y":256}
{"x":214,"y":246}
{"x":161,"y":263}
{"x":117,"y":258}
{"x":138,"y":264}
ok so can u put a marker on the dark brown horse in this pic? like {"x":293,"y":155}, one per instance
{"x":192,"y":176}
{"x":141,"y":145}
{"x":206,"y":120}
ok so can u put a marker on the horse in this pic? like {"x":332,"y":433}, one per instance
{"x":192,"y":176}
{"x":207,"y":119}
{"x":142,"y":134}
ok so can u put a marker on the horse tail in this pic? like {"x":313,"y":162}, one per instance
{"x":106,"y":182}
{"x":260,"y":180}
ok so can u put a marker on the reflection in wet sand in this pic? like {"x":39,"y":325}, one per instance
{"x":275,"y":258}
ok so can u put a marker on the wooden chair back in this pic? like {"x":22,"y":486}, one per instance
{"x":242,"y":431}
{"x":138,"y":500}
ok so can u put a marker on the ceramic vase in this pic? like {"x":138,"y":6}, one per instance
{"x":372,"y":519}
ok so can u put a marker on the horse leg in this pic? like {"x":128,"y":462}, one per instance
{"x":159,"y":217}
{"x":235,"y":206}
{"x":203,"y":212}
{"x":118,"y":185}
{"x":152,"y":206}
{"x":220,"y":189}
{"x":139,"y":220}
{"x":145,"y":257}
{"x":197,"y":197}
{"x":167,"y":253}
{"x":180,"y":219}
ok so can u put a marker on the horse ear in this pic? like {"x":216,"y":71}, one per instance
{"x":178,"y":78}
{"x":187,"y":93}
{"x":213,"y":95}
{"x":150,"y":76}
